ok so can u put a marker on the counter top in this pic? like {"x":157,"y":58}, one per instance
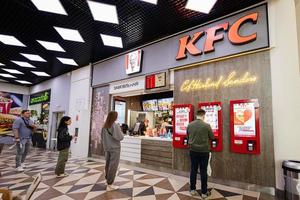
{"x":149,"y":138}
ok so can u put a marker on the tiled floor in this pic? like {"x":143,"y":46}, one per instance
{"x":86,"y":181}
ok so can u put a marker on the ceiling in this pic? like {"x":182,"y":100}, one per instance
{"x":139,"y":23}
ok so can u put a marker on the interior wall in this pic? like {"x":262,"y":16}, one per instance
{"x":253,"y":169}
{"x":100,"y":109}
{"x":60,"y":96}
{"x":80,"y":109}
{"x":297,"y":4}
{"x":285,"y":83}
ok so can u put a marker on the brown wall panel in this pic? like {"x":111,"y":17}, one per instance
{"x":256,"y":169}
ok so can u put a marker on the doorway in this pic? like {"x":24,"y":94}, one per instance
{"x":56,"y":117}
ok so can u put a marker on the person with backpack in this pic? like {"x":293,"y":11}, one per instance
{"x":111,"y":136}
{"x":63,"y":144}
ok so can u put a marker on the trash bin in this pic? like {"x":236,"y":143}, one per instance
{"x":291,"y":171}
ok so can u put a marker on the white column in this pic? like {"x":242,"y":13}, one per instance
{"x":285,"y":83}
{"x":80,"y":107}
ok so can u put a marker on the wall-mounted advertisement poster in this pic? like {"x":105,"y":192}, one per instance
{"x":244,"y":119}
{"x":10,"y":108}
{"x":120,"y":107}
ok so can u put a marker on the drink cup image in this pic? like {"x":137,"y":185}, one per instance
{"x":5,"y":105}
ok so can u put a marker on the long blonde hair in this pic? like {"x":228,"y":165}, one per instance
{"x":111,"y":118}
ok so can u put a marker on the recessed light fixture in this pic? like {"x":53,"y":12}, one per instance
{"x":12,"y":71}
{"x":203,"y":6}
{"x":112,"y":41}
{"x":53,"y":46}
{"x":53,"y":6}
{"x":1,"y":64}
{"x":23,"y":64}
{"x":67,"y":61}
{"x":69,"y":34}
{"x":40,"y":73}
{"x":11,"y":40}
{"x":150,"y":1}
{"x":23,"y":82}
{"x":33,"y":57}
{"x":7,"y":75}
{"x":104,"y":12}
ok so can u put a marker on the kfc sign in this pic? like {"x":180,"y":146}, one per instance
{"x":216,"y":34}
{"x":133,"y":62}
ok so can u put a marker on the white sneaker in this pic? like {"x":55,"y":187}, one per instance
{"x":194,"y":192}
{"x":62,"y":175}
{"x":205,"y":196}
{"x":111,"y":187}
{"x":20,"y":169}
{"x":23,"y":165}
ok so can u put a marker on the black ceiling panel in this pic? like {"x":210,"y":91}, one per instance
{"x":139,"y":23}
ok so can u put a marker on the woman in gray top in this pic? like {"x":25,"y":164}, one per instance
{"x":111,"y":135}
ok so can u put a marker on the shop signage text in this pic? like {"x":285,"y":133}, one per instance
{"x":230,"y":81}
{"x":188,"y":43}
{"x":127,"y":85}
{"x":41,"y":97}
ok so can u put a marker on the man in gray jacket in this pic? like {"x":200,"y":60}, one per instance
{"x":199,"y":135}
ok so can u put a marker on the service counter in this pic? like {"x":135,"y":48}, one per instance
{"x":152,"y":151}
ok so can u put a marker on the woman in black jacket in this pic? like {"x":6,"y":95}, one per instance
{"x":63,"y":145}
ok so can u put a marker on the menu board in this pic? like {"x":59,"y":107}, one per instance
{"x":182,"y":119}
{"x":150,"y":105}
{"x":165,"y":104}
{"x":120,"y":107}
{"x":211,"y":116}
{"x":244,"y":119}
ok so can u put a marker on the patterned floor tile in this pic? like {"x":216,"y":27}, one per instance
{"x":86,"y":181}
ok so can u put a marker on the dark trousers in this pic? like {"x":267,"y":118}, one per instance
{"x":23,"y":148}
{"x":199,"y":160}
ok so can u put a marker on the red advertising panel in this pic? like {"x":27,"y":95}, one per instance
{"x":213,"y":116}
{"x":182,"y":116}
{"x":244,"y":126}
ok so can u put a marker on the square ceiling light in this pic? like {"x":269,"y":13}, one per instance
{"x":112,"y":41}
{"x":52,"y":6}
{"x":12,"y":71}
{"x":150,"y":1}
{"x":67,"y":61}
{"x":104,"y":12}
{"x":1,"y":64}
{"x":11,"y":40}
{"x":7,"y":75}
{"x":33,"y":57}
{"x":52,"y":46}
{"x":203,"y":6}
{"x":69,"y":34}
{"x":40,"y":73}
{"x":23,"y":64}
{"x":23,"y":82}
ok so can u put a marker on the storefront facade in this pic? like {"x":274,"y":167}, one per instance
{"x":222,"y":61}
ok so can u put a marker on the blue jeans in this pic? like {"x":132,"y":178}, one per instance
{"x":22,"y":149}
{"x":199,"y":160}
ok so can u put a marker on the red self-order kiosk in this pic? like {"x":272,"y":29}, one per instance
{"x":213,"y":116}
{"x":182,"y":116}
{"x":244,"y":126}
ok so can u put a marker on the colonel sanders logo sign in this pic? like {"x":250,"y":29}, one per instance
{"x":133,"y":62}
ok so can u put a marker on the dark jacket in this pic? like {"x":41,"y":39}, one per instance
{"x":199,"y":134}
{"x":63,"y":138}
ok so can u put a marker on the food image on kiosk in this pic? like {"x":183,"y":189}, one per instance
{"x":213,"y":116}
{"x":244,"y":126}
{"x":183,"y":115}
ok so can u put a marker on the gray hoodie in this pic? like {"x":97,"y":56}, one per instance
{"x":111,"y":138}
